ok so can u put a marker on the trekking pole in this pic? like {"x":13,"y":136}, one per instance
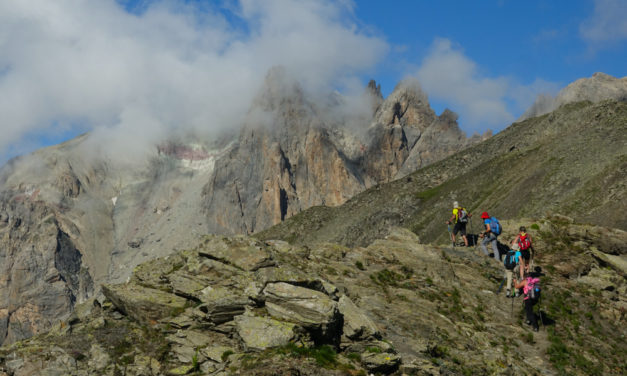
{"x":450,"y":234}
{"x":501,"y":285}
{"x":475,"y":237}
{"x":512,"y":311}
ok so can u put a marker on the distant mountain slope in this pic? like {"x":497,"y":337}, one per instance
{"x":571,"y":161}
{"x":599,"y":87}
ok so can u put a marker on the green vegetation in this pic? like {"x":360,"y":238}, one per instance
{"x":195,"y":364}
{"x":528,"y":338}
{"x":226,"y":354}
{"x":373,"y":349}
{"x":359,"y":265}
{"x":354,"y":356}
{"x":388,"y":278}
{"x":429,"y":193}
{"x":324,"y":355}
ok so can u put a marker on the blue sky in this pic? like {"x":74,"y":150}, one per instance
{"x":130,"y":70}
{"x":522,"y":40}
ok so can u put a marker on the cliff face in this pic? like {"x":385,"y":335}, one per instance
{"x":302,"y":159}
{"x":69,"y":222}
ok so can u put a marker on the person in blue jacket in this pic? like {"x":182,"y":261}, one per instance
{"x":489,"y":236}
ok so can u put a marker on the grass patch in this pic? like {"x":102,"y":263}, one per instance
{"x":528,"y":338}
{"x":429,"y":193}
{"x":226,"y":354}
{"x":324,"y":355}
{"x":386,"y":277}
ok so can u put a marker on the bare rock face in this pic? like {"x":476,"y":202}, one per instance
{"x":43,"y":271}
{"x":599,"y":87}
{"x":301,"y":159}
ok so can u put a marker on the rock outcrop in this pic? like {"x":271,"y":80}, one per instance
{"x":597,"y":88}
{"x":394,"y":307}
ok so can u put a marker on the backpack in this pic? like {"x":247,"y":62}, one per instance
{"x":495,"y":226}
{"x":533,"y":288}
{"x":510,"y":260}
{"x":462,"y":215}
{"x":524,"y":242}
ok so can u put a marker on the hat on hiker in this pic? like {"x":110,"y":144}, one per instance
{"x":515,"y":247}
{"x":455,"y":204}
{"x":485,"y":215}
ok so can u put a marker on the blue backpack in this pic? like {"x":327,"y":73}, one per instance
{"x":495,"y":226}
{"x":511,"y":260}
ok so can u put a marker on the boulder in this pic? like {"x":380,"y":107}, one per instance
{"x":144,"y":304}
{"x":357,"y":325}
{"x":215,"y":353}
{"x":259,"y":333}
{"x":221,"y":304}
{"x":380,"y":362}
{"x":308,"y":308}
{"x":240,"y":252}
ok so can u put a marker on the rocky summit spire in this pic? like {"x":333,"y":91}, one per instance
{"x":374,"y":89}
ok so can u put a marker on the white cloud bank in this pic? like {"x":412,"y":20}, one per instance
{"x":607,"y":24}
{"x":131,"y":77}
{"x":447,"y":74}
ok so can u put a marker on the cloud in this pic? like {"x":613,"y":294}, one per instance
{"x":166,"y":66}
{"x":447,"y":74}
{"x":607,"y":24}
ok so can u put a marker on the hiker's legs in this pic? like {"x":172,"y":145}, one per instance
{"x":490,"y":238}
{"x":508,"y":287}
{"x":487,"y":239}
{"x":495,"y":248}
{"x":463,"y":232}
{"x":459,"y":227}
{"x":531,"y":317}
{"x":531,"y":261}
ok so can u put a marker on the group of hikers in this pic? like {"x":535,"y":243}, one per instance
{"x":517,"y":261}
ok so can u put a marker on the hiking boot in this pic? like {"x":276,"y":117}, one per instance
{"x":528,"y":322}
{"x":535,"y":328}
{"x":508,"y":293}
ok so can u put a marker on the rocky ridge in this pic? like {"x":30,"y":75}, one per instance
{"x":597,"y":88}
{"x":241,"y":306}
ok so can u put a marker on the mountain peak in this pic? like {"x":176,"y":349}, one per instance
{"x":279,"y":86}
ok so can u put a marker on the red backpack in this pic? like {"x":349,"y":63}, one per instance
{"x":524,"y":242}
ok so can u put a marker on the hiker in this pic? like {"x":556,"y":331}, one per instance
{"x":531,"y":289}
{"x":526,"y":248}
{"x":512,"y":263}
{"x":492,"y":231}
{"x":460,"y":218}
